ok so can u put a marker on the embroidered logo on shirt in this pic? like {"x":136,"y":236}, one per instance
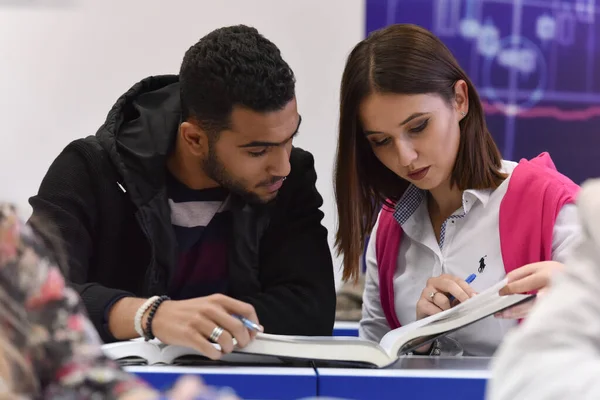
{"x":481,"y":264}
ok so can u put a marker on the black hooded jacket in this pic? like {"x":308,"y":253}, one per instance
{"x":107,"y":196}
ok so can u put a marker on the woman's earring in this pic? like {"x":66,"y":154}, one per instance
{"x":463,"y":113}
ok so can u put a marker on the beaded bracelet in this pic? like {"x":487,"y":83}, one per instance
{"x":148,"y":335}
{"x":137,"y":321}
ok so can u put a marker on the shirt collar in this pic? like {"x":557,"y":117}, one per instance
{"x":471,"y":196}
{"x":408,"y":203}
{"x":413,"y":197}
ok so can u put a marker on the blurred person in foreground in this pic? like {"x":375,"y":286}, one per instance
{"x":555,"y":353}
{"x":48,"y":346}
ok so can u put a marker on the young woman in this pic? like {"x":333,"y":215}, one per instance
{"x":48,"y":347}
{"x":413,"y":139}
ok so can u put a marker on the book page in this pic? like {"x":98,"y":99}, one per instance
{"x":484,"y":297}
{"x":489,"y":295}
{"x":135,"y":348}
{"x":457,"y":321}
{"x":333,"y":348}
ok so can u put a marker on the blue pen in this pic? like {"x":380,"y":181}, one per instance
{"x":249,"y":324}
{"x":469,"y":279}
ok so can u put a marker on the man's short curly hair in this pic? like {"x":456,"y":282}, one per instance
{"x":233,"y":66}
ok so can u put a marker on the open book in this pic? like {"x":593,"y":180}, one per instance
{"x":339,"y":349}
{"x":154,"y":352}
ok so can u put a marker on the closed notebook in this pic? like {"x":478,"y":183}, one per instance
{"x":336,"y":350}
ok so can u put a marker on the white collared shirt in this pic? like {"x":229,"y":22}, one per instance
{"x":469,"y":243}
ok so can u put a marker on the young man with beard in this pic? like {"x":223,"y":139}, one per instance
{"x":190,"y":207}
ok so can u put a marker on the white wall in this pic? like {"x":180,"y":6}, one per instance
{"x":64,"y":62}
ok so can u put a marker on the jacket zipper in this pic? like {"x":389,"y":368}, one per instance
{"x":151,"y":278}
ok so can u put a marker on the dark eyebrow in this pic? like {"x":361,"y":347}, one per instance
{"x":406,"y":121}
{"x":273,"y":144}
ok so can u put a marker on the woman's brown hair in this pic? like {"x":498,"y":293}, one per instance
{"x":401,"y":59}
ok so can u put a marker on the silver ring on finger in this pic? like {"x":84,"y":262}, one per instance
{"x":432,"y":295}
{"x":216,"y":334}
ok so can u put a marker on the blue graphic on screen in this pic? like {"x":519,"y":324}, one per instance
{"x":535,"y":63}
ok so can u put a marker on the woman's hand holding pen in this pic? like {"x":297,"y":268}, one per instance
{"x":199,"y":322}
{"x":440,"y":293}
{"x":529,"y":278}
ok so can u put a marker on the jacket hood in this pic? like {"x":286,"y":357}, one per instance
{"x":139,"y":133}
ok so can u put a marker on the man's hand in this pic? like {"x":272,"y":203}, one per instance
{"x":188,"y":322}
{"x":191,"y":322}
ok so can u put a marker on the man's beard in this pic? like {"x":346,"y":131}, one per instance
{"x":215,"y":170}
